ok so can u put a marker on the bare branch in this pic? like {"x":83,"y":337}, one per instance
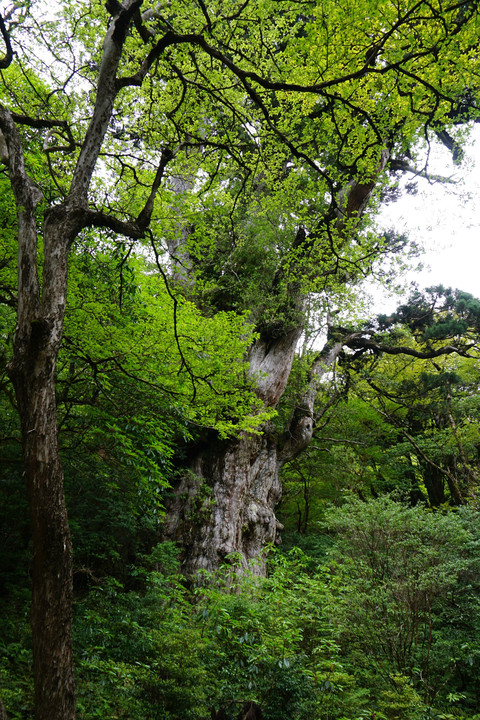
{"x":143,"y":218}
{"x":51,"y":124}
{"x":8,"y":57}
{"x":134,"y":229}
{"x":404,"y":166}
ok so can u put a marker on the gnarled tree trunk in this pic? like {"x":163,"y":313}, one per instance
{"x":226,"y":501}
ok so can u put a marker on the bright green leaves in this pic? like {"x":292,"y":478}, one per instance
{"x":124,"y":322}
{"x":269,"y":112}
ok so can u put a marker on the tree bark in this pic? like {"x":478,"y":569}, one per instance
{"x":226,"y":501}
{"x":434,"y":481}
{"x":40,"y":315}
{"x":3,"y":712}
{"x":38,"y":335}
{"x":225,"y":504}
{"x":51,"y":610}
{"x":32,"y":372}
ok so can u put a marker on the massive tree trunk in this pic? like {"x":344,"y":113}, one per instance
{"x":225,"y":502}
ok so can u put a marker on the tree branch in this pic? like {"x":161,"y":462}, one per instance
{"x":453,"y":483}
{"x":107,"y":90}
{"x":404,"y":166}
{"x":301,"y":425}
{"x":98,"y":219}
{"x":8,"y":57}
{"x":357,"y":342}
{"x":27,"y":196}
{"x":134,"y":229}
{"x":41,"y":123}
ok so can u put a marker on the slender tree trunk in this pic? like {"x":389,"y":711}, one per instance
{"x":51,"y":610}
{"x":434,"y":481}
{"x":3,"y":712}
{"x":38,"y":335}
{"x":32,"y":371}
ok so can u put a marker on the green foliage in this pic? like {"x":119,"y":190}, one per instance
{"x":261,"y":637}
{"x":396,"y":420}
{"x":409,"y":607}
{"x":16,"y":680}
{"x":163,"y":652}
{"x":140,"y":653}
{"x":438,"y":314}
{"x":125,"y":327}
{"x":385,"y":625}
{"x":268,"y":115}
{"x":138,"y":372}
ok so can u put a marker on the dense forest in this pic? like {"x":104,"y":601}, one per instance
{"x":227,"y":490}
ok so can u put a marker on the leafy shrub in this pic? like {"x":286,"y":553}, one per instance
{"x":409,"y":606}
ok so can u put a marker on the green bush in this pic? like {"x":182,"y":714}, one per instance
{"x":409,"y":604}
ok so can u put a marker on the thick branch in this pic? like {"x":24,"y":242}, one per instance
{"x":107,"y":90}
{"x":404,"y":166}
{"x":353,"y":199}
{"x":27,"y":197}
{"x":358,"y":342}
{"x":302,"y":422}
{"x":95,"y":218}
{"x":145,"y":215}
{"x":8,"y":57}
{"x":134,"y":229}
{"x":41,"y":123}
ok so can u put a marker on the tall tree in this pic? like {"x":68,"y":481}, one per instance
{"x":302,"y":231}
{"x":200,"y":127}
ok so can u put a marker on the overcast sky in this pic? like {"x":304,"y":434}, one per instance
{"x":446,"y":220}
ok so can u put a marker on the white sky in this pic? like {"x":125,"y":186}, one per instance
{"x":445,"y":219}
